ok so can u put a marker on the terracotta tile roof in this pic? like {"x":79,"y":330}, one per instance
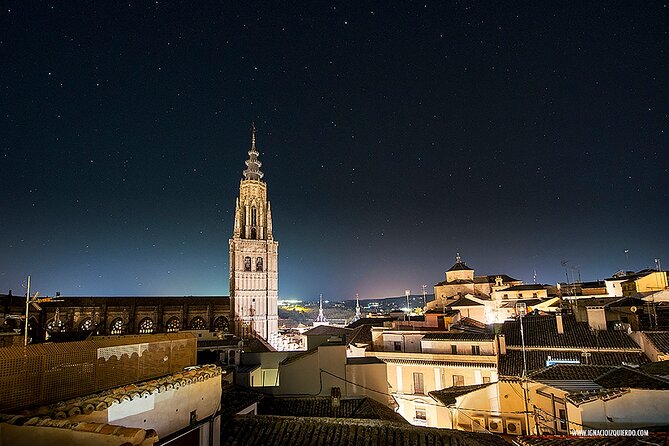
{"x":101,"y":401}
{"x":132,"y":436}
{"x":235,"y":398}
{"x":321,"y":406}
{"x":659,"y":339}
{"x":632,"y":378}
{"x":511,"y":364}
{"x":298,"y":356}
{"x":297,"y":431}
{"x":465,"y":302}
{"x":605,"y":394}
{"x":469,"y":322}
{"x":361,"y":335}
{"x":459,"y":337}
{"x":660,"y":368}
{"x":541,"y":331}
{"x":448,"y":395}
{"x":373,"y":321}
{"x":570,"y":372}
{"x":327,"y":330}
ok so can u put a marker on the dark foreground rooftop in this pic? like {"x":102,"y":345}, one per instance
{"x":296,"y":431}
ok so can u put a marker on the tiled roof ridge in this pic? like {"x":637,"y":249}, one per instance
{"x":633,"y":370}
{"x":102,"y":400}
{"x":90,"y":427}
{"x":585,"y":396}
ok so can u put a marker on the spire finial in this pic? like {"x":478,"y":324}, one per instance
{"x":457,"y":258}
{"x":253,"y":135}
{"x":252,"y":171}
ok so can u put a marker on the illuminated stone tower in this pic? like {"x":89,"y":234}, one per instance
{"x":254,"y":279}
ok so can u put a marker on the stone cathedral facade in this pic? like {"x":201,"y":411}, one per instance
{"x":254,"y":277}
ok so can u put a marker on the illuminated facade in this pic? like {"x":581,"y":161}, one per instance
{"x":254,"y":279}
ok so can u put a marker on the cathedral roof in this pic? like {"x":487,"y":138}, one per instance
{"x":253,"y":171}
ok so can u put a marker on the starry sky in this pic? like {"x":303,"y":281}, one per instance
{"x":392,"y":136}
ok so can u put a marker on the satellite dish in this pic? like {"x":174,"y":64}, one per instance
{"x":633,"y":309}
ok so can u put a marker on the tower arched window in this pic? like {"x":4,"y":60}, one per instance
{"x":247,"y":263}
{"x":198,"y":324}
{"x":254,"y":216}
{"x":253,"y":233}
{"x":146,"y":326}
{"x":173,"y":324}
{"x":259,"y":264}
{"x":117,"y":326}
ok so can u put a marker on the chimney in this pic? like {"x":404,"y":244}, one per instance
{"x":558,"y":323}
{"x":596,"y":318}
{"x":501,"y":344}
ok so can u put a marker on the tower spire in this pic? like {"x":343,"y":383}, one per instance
{"x":321,"y":319}
{"x":252,"y":171}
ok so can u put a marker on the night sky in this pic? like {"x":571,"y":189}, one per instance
{"x":392,"y":136}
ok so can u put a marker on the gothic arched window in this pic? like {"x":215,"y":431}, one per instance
{"x":86,"y":324}
{"x":259,"y":264}
{"x":117,"y":326}
{"x":253,"y":217}
{"x":221,"y":324}
{"x":173,"y":324}
{"x":253,"y":233}
{"x":247,"y":263}
{"x":146,"y":326}
{"x":198,"y":324}
{"x":55,"y":326}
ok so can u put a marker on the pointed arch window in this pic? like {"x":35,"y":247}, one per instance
{"x":247,"y":263}
{"x":146,"y":326}
{"x":55,"y":326}
{"x":254,"y":216}
{"x":221,"y":324}
{"x":198,"y":324}
{"x":117,"y":326}
{"x":86,"y":324}
{"x":254,"y":233}
{"x":173,"y":324}
{"x":259,"y":266}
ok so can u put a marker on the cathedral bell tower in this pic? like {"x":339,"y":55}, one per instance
{"x":254,"y":279}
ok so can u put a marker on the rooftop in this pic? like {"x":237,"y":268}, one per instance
{"x":321,"y":406}
{"x":511,"y":364}
{"x":299,"y":431}
{"x":448,"y":395}
{"x":659,"y":339}
{"x":450,"y":336}
{"x":541,"y":331}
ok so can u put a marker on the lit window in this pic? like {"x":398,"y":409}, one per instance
{"x":116,"y":327}
{"x":55,"y":326}
{"x":421,"y":414}
{"x":146,"y":326}
{"x":198,"y":324}
{"x":458,"y":380}
{"x":173,"y":325}
{"x":221,"y":324}
{"x":86,"y":324}
{"x":486,"y":379}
